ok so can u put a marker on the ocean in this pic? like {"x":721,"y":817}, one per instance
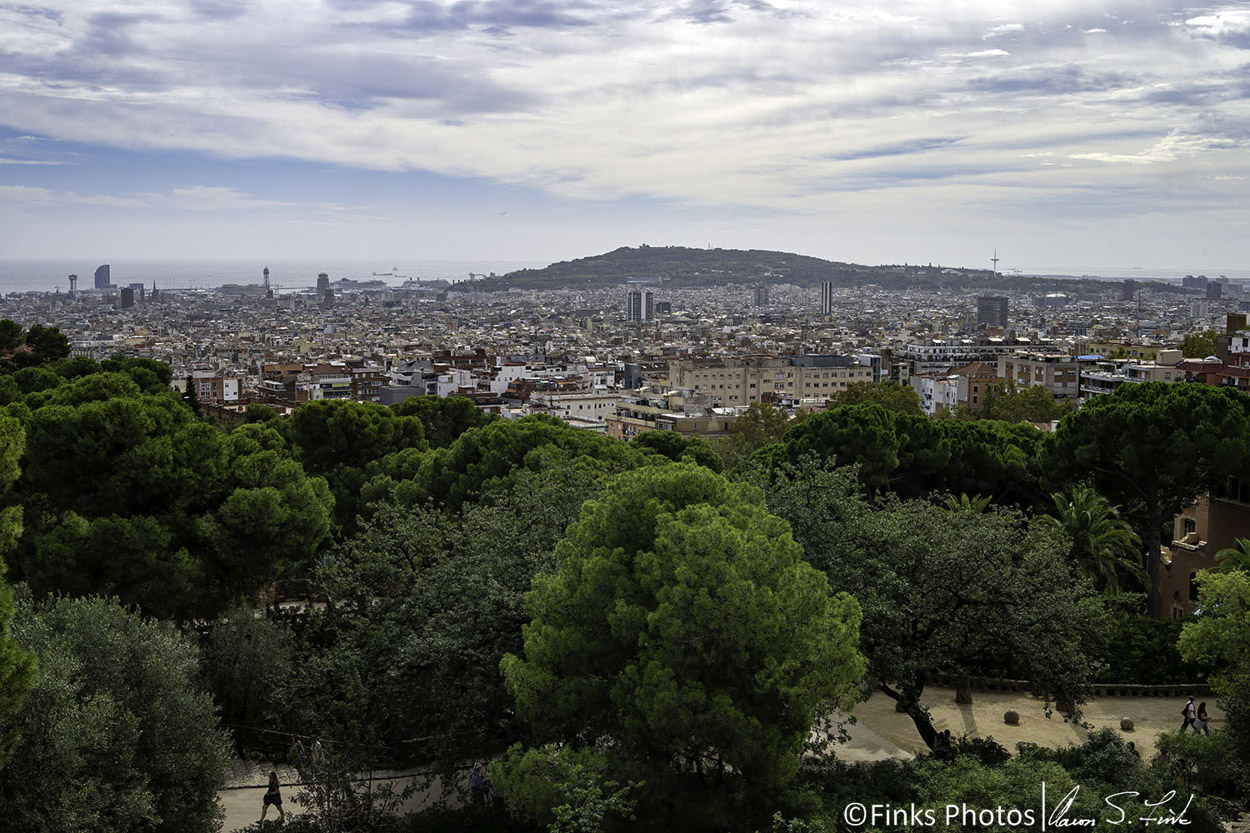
{"x":48,"y":275}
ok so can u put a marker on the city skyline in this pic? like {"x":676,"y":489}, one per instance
{"x":1064,"y":134}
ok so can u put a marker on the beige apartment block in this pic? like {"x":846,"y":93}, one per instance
{"x":741,"y":381}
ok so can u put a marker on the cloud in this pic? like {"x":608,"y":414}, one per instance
{"x":195,"y":198}
{"x":790,"y":105}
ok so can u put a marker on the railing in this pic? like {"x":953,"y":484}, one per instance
{"x":1095,"y":689}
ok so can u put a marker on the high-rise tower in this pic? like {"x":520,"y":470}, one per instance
{"x":103,"y":280}
{"x":826,"y":297}
{"x":640,"y":305}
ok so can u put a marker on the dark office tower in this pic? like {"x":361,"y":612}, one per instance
{"x":992,"y":311}
{"x":323,"y":284}
{"x":761,"y":296}
{"x":826,"y":297}
{"x":102,"y":278}
{"x":1215,"y":291}
{"x":128,"y":297}
{"x":1130,"y":290}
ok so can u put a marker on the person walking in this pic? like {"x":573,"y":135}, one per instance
{"x":1191,"y":713}
{"x":273,"y":796}
{"x":1201,"y":721}
{"x":296,"y":755}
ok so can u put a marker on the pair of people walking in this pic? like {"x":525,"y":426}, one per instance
{"x":1196,"y":716}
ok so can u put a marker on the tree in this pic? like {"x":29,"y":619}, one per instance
{"x":1236,"y":557}
{"x":115,"y":734}
{"x":892,"y":396}
{"x":244,"y":659}
{"x":914,"y":455}
{"x":1103,"y":544}
{"x":1034,"y":403}
{"x":191,"y":397}
{"x":445,"y":417}
{"x":126,"y":493}
{"x":685,"y":638}
{"x":338,"y":439}
{"x":675,"y":447}
{"x":482,"y":459}
{"x":37,"y":346}
{"x":951,"y":593}
{"x":1153,"y":447}
{"x":423,"y":605}
{"x":1220,"y":636}
{"x":759,"y":425}
{"x":1200,"y":345}
{"x":16,"y":666}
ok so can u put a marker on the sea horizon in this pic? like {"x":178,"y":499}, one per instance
{"x":50,"y":274}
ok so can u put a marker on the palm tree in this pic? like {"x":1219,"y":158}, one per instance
{"x":1236,"y":557}
{"x":977,"y":504}
{"x":1103,"y":543}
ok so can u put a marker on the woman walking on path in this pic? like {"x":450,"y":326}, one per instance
{"x":273,"y":796}
{"x":1200,"y":723}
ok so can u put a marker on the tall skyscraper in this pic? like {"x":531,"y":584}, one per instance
{"x":761,"y":295}
{"x":992,"y":311}
{"x":1130,"y":290}
{"x":128,"y":297}
{"x":826,"y":298}
{"x":103,"y":280}
{"x":640,"y":305}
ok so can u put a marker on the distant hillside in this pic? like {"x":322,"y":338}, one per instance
{"x":682,"y":266}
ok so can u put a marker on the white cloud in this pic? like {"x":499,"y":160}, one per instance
{"x":801,"y":106}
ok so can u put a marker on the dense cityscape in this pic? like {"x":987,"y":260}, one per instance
{"x":1051,"y":474}
{"x":573,"y":416}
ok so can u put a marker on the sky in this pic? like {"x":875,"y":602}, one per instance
{"x":1062,"y":134}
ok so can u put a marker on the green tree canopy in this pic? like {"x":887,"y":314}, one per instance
{"x":1104,"y":546}
{"x":482,"y":459}
{"x":1152,"y":447}
{"x":445,"y":417}
{"x":16,"y":666}
{"x":684,"y":633}
{"x":1199,"y":345}
{"x":892,"y":396}
{"x":955,"y":592}
{"x":1220,"y":636}
{"x":1034,"y":403}
{"x":37,"y":346}
{"x":424,"y":605}
{"x":914,"y":455}
{"x":115,"y":734}
{"x":759,"y":425}
{"x":126,"y":493}
{"x":675,"y":447}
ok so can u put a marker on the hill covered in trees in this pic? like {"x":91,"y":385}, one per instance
{"x":683,"y":266}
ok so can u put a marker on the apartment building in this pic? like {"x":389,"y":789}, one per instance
{"x":1058,"y":372}
{"x":741,"y":381}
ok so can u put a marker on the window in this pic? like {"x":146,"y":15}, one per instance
{"x":1190,"y":526}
